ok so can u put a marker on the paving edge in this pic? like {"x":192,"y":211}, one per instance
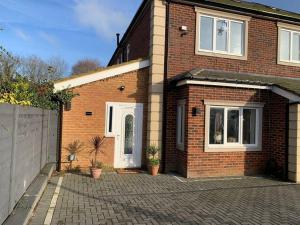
{"x":24,"y":208}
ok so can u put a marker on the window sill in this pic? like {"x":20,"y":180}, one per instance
{"x":232,"y":149}
{"x":288,"y":63}
{"x":220,"y":55}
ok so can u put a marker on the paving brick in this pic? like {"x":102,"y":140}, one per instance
{"x":142,"y":199}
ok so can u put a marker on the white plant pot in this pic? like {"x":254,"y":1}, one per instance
{"x":72,"y":157}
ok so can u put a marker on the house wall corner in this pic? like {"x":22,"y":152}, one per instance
{"x":294,"y":143}
{"x":156,"y":75}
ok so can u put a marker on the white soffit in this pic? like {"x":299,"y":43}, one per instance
{"x":106,"y":73}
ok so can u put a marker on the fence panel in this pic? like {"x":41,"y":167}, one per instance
{"x":27,"y":140}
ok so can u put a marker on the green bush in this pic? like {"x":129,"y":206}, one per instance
{"x":21,"y":91}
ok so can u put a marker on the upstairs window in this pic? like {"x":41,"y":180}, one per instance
{"x":220,"y":35}
{"x":289,"y":45}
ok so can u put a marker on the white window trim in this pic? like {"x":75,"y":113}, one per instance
{"x":222,"y":16}
{"x":293,"y":29}
{"x":179,"y":126}
{"x":107,"y":115}
{"x":115,"y":106}
{"x":234,"y":147}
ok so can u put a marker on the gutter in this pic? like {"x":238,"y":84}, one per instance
{"x":165,"y":99}
{"x":236,"y":10}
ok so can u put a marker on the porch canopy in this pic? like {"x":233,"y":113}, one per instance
{"x":284,"y":86}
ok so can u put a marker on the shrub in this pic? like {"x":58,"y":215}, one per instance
{"x":21,"y":91}
{"x":153,"y":152}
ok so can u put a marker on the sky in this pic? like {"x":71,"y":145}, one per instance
{"x":74,"y":29}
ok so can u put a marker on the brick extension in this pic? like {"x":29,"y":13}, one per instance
{"x":92,"y":98}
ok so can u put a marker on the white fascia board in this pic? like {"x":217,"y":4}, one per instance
{"x":286,"y":94}
{"x":107,"y":73}
{"x":222,"y":84}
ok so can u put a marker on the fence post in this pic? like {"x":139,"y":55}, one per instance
{"x":42,"y":140}
{"x":13,"y":155}
{"x":48,"y":136}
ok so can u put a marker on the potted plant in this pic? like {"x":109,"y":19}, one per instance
{"x":96,"y":166}
{"x":153,"y":160}
{"x":73,"y":148}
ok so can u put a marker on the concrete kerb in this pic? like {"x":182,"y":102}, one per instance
{"x":24,"y":209}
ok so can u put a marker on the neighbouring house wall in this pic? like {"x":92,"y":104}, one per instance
{"x":262,"y":47}
{"x":202,"y":164}
{"x":28,"y":140}
{"x":92,"y":98}
{"x":138,"y":39}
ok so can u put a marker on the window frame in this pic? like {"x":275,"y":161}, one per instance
{"x":109,"y":133}
{"x":229,"y":17}
{"x":292,"y":29}
{"x":180,"y":127}
{"x":232,"y":147}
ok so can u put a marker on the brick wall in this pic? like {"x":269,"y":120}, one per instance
{"x":139,"y":38}
{"x":203,"y":164}
{"x":262,"y":47}
{"x":93,"y":98}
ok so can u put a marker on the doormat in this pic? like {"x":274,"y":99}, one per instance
{"x":130,"y":171}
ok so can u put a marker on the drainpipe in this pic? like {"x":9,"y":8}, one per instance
{"x":165,"y":85}
{"x":287,"y":118}
{"x":59,"y":141}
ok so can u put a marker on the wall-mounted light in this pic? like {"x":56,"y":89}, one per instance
{"x":183,"y":30}
{"x":195,"y":111}
{"x":122,"y":88}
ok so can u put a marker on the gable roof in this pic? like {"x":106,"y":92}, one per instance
{"x":105,"y":73}
{"x":288,"y":84}
{"x":131,"y":26}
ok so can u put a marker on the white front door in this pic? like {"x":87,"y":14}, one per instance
{"x":128,"y":135}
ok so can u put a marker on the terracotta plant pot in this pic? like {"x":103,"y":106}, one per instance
{"x":153,"y":169}
{"x":96,"y":173}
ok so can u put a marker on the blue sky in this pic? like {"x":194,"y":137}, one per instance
{"x":74,"y":29}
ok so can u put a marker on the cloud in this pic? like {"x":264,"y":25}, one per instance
{"x":49,"y":38}
{"x":100,"y":16}
{"x":21,"y":34}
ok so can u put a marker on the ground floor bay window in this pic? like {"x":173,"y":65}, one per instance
{"x":233,"y":126}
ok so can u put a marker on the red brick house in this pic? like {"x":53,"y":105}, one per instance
{"x":218,"y":89}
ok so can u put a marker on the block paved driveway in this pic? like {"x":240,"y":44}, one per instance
{"x":142,"y":199}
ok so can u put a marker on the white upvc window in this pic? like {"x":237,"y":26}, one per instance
{"x":233,"y":128}
{"x":221,"y":34}
{"x":289,"y":45}
{"x":109,"y":120}
{"x":180,"y":124}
